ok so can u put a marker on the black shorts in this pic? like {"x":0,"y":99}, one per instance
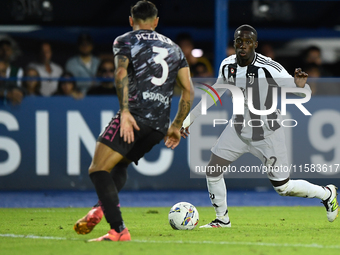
{"x":145,"y":139}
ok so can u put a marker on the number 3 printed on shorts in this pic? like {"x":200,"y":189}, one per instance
{"x":159,"y":59}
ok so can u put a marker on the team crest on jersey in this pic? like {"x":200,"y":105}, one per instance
{"x":232,"y":70}
{"x":251,"y":77}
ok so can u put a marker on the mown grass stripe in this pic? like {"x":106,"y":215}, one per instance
{"x":319,"y":246}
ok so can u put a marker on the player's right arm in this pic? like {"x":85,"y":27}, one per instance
{"x":127,"y":121}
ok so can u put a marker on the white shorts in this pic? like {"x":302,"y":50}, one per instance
{"x":271,"y":151}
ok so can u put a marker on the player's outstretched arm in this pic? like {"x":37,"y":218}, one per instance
{"x":127,"y":121}
{"x":173,"y":136}
{"x":300,"y":78}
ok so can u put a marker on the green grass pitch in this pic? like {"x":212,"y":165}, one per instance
{"x":255,"y":230}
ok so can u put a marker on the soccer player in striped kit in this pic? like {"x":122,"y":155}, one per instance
{"x":248,"y":69}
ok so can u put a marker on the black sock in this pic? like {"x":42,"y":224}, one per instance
{"x":119,"y":176}
{"x":108,"y":196}
{"x":118,"y":226}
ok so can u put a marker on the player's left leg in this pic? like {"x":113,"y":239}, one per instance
{"x":302,"y":188}
{"x":273,"y":154}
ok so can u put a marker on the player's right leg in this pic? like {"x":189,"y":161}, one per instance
{"x":119,"y":175}
{"x":109,"y":152}
{"x":227,"y":149}
{"x":105,"y":158}
{"x":217,"y":193}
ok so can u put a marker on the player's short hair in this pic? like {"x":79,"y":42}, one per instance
{"x":144,"y":10}
{"x":246,"y":28}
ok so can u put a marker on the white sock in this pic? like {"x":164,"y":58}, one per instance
{"x":302,"y":188}
{"x":218,"y":196}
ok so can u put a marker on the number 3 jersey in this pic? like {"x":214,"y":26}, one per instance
{"x":154,"y":61}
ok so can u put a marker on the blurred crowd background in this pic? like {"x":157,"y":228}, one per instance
{"x":63,"y":48}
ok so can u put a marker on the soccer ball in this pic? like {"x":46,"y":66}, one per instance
{"x":183,"y":216}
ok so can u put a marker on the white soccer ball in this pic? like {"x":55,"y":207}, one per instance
{"x":183,"y":216}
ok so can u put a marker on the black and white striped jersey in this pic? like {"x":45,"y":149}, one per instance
{"x":262,"y":75}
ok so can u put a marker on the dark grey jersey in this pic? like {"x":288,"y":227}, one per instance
{"x":154,"y":61}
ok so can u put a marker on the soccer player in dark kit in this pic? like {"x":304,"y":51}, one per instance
{"x":147,"y":67}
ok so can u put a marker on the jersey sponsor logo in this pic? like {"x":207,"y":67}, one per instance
{"x":156,"y":97}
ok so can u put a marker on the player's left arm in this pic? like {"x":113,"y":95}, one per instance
{"x":300,"y":78}
{"x":173,"y":136}
{"x":127,"y":121}
{"x":284,"y":79}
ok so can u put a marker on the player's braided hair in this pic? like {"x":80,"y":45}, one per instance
{"x":246,"y":28}
{"x":144,"y":10}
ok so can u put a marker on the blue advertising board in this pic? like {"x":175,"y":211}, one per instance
{"x":48,"y":143}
